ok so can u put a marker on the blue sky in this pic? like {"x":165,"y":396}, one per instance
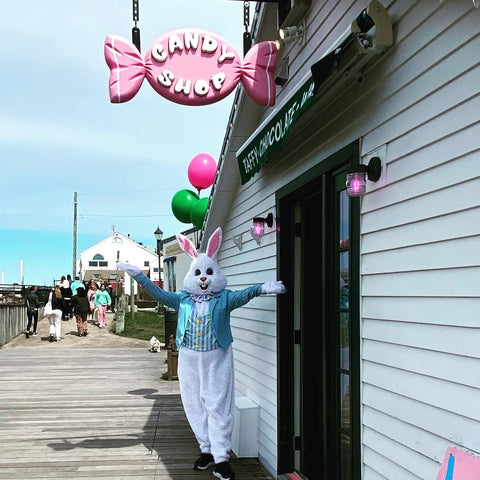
{"x":59,"y":133}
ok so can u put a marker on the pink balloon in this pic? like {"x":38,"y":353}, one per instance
{"x":202,"y":170}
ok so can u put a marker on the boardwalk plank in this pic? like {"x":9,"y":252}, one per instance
{"x":96,"y":413}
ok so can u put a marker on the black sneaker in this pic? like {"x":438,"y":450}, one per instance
{"x":224,"y":471}
{"x":204,"y":461}
{"x":51,"y":338}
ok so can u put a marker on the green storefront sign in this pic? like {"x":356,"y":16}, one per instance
{"x":273,"y":136}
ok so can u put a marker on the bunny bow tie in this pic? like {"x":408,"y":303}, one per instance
{"x":204,"y":297}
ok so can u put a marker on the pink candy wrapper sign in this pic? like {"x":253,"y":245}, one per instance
{"x":190,"y":67}
{"x":459,"y":465}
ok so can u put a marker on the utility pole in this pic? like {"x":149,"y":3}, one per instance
{"x":74,"y":264}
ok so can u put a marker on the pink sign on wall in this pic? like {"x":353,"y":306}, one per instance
{"x":459,"y":465}
{"x":190,"y":67}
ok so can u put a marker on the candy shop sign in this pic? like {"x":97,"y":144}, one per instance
{"x":190,"y":67}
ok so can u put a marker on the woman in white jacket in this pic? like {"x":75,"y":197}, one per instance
{"x":59,"y":308}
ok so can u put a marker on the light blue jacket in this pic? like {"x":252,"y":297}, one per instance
{"x":220,"y":307}
{"x":75,"y":284}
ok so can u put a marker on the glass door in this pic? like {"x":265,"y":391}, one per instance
{"x":319,"y":354}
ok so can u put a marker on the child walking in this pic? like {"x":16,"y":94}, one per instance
{"x":101,"y":301}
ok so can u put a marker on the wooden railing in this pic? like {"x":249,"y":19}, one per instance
{"x":13,"y":321}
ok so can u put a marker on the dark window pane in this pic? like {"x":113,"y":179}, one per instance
{"x":345,"y":462}
{"x":344,"y":219}
{"x":344,"y":401}
{"x":344,"y":280}
{"x":344,"y":347}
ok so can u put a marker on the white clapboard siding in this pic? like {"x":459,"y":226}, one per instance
{"x":462,"y":224}
{"x":453,"y":199}
{"x":393,"y":428}
{"x":254,"y":325}
{"x":455,"y":365}
{"x":444,"y":426}
{"x":462,"y":252}
{"x":384,"y":465}
{"x":458,"y":282}
{"x":454,"y":140}
{"x":259,"y":365}
{"x":449,"y":396}
{"x":420,"y":238}
{"x":439,"y":177}
{"x":420,"y":234}
{"x":371,"y":474}
{"x":437,"y":310}
{"x":397,"y":458}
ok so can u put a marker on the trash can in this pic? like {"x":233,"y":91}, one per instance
{"x":170,"y":325}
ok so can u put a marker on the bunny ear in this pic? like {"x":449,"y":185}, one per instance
{"x":214,"y":243}
{"x":187,"y":246}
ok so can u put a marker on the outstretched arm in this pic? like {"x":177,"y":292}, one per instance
{"x":169,"y":299}
{"x":239,"y":298}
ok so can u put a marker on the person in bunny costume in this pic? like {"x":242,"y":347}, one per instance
{"x":204,"y":338}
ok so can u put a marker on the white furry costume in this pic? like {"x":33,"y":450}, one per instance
{"x":206,"y":386}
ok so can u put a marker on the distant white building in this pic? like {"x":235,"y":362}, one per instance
{"x":175,"y":261}
{"x":99,"y":261}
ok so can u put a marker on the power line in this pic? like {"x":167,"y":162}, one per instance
{"x":130,"y":191}
{"x":124,"y":216}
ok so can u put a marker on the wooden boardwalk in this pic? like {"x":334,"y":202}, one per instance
{"x":106,"y":413}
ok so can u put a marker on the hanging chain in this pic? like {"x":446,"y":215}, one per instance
{"x":247,"y":36}
{"x":135,"y":29}
{"x":246,"y":15}
{"x":135,"y":12}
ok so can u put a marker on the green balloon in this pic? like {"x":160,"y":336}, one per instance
{"x":182,"y":203}
{"x":198,"y":211}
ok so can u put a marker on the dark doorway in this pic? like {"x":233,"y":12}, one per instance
{"x":318,"y":337}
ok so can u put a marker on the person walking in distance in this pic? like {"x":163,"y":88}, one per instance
{"x":75,"y":284}
{"x":101,"y":301}
{"x":81,"y":308}
{"x":32,"y":303}
{"x":92,"y":290}
{"x":66,"y":291}
{"x":59,"y":308}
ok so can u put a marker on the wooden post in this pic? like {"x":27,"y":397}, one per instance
{"x":120,"y":311}
{"x":132,"y":298}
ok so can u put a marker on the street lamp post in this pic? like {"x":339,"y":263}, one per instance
{"x":158,"y":236}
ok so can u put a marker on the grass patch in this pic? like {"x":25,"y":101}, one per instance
{"x":144,"y":326}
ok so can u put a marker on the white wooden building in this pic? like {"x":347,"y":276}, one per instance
{"x":378,"y":386}
{"x":99,"y":261}
{"x":176,"y":262}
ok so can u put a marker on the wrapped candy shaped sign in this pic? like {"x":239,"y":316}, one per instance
{"x":190,"y":67}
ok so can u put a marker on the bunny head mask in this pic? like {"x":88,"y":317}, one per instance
{"x":204,"y":276}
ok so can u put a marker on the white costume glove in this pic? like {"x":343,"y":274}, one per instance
{"x":273,"y":287}
{"x":132,"y":270}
